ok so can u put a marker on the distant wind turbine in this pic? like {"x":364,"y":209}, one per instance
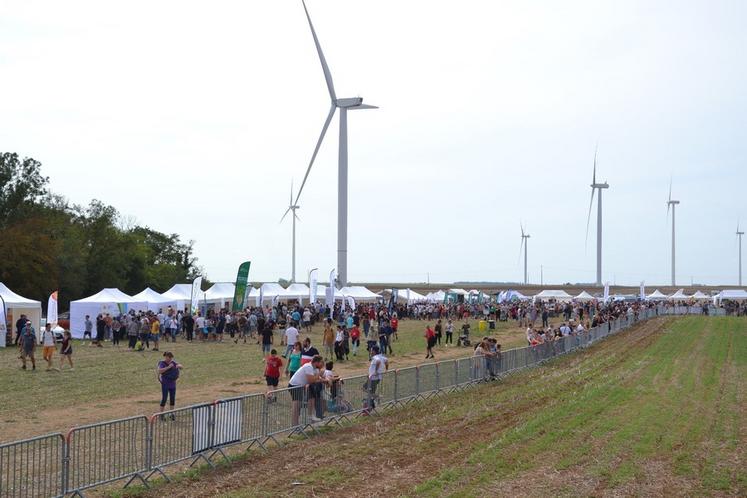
{"x":292,"y":207}
{"x":524,"y":243}
{"x":739,"y":236}
{"x":342,"y":163}
{"x":594,"y":187}
{"x":671,"y":203}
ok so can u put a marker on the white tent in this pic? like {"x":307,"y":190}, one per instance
{"x":460,"y":292}
{"x":181,"y":294}
{"x":584,"y":296}
{"x":679,"y":295}
{"x":220,"y":294}
{"x":436,"y":297}
{"x":359,"y":293}
{"x":321,"y":293}
{"x":656,"y":295}
{"x":558,"y":295}
{"x":15,"y":306}
{"x":732,"y":295}
{"x":154,"y":300}
{"x":108,"y":301}
{"x":508,"y":296}
{"x":700,"y":295}
{"x":272,"y":290}
{"x":297,"y":291}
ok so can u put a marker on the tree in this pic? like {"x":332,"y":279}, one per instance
{"x":21,"y":186}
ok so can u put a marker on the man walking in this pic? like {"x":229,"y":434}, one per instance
{"x":27,"y":345}
{"x":379,"y":365}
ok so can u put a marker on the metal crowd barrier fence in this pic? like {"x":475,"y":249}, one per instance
{"x":139,"y":447}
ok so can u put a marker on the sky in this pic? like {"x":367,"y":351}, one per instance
{"x":195,"y":117}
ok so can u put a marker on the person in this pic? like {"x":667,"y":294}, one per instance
{"x":27,"y":345}
{"x":294,"y":360}
{"x":328,"y":339}
{"x":439,"y":330}
{"x":168,"y":372}
{"x":100,"y":331}
{"x":144,"y":338}
{"x":430,"y":341}
{"x":308,"y":351}
{"x":48,"y":345}
{"x":201,"y":326}
{"x":308,"y":375}
{"x":272,"y":372}
{"x":376,"y":369}
{"x":267,"y":337}
{"x":116,"y":327}
{"x":155,"y":332}
{"x":188,"y":325}
{"x":307,"y":320}
{"x":66,"y":350}
{"x":339,"y":339}
{"x":394,"y":324}
{"x":20,"y":323}
{"x":449,"y":332}
{"x":291,"y":337}
{"x":88,"y":327}
{"x":332,"y":381}
{"x":355,"y":339}
{"x":172,"y":325}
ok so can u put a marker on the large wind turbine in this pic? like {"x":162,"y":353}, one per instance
{"x":594,"y":187}
{"x":671,"y":203}
{"x":524,"y":243}
{"x":342,"y":163}
{"x":292,"y":207}
{"x":739,"y":236}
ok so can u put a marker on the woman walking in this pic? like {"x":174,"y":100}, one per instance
{"x":66,"y":351}
{"x":430,"y":340}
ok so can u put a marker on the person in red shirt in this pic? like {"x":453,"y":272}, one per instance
{"x":430,"y":339}
{"x":355,"y":338}
{"x":273,"y":364}
{"x":394,"y":323}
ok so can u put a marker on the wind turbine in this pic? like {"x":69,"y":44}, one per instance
{"x":739,"y":236}
{"x":594,"y":187}
{"x":524,"y":243}
{"x":344,"y":105}
{"x":671,"y":203}
{"x":292,"y":207}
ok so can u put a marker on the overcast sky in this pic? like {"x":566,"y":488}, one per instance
{"x":194,"y":117}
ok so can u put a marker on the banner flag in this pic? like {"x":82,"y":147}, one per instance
{"x":351,"y":303}
{"x":52,"y":309}
{"x":3,"y":324}
{"x":393,"y":300}
{"x":260,"y":296}
{"x":643,"y":291}
{"x":313,"y":285}
{"x":606,"y":291}
{"x":242,"y":279}
{"x":330,"y":301}
{"x":194,"y":304}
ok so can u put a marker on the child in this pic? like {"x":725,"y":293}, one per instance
{"x":332,"y":380}
{"x":273,"y":363}
{"x":67,"y":350}
{"x":355,"y":338}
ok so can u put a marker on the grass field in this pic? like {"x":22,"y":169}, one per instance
{"x":114,"y":382}
{"x":658,"y":410}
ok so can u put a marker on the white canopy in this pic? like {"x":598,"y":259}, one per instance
{"x":558,"y":295}
{"x":220,"y":293}
{"x":297,"y":291}
{"x":732,"y":295}
{"x":16,"y":305}
{"x":436,"y":297}
{"x":700,"y":295}
{"x":108,"y":301}
{"x":359,"y":293}
{"x":680,"y":294}
{"x":460,"y":292}
{"x":584,"y":296}
{"x":321,"y":293}
{"x":656,"y":295}
{"x":154,"y":300}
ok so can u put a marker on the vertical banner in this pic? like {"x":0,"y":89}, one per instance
{"x":242,"y":279}
{"x":643,"y":291}
{"x":52,"y":309}
{"x":313,"y":285}
{"x":606,"y":291}
{"x":194,"y":304}
{"x":330,"y":301}
{"x":260,"y":296}
{"x":393,"y":299}
{"x":3,"y":323}
{"x":351,"y":302}
{"x":408,"y":296}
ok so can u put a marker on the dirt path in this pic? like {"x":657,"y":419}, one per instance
{"x":389,"y":455}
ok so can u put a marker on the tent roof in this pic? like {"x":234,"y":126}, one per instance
{"x":272,"y":289}
{"x":437,"y":296}
{"x":110,"y":295}
{"x":656,"y":295}
{"x":584,"y":296}
{"x":14,"y":300}
{"x":321,"y":292}
{"x":220,"y":291}
{"x":148,"y":295}
{"x":298,"y":291}
{"x":680,"y":294}
{"x":461,"y":292}
{"x":359,"y":292}
{"x":179,"y":292}
{"x":700,"y":295}
{"x":733,"y":294}
{"x":553,"y":294}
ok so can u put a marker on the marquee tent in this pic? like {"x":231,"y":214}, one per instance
{"x":509,"y":296}
{"x":700,"y":295}
{"x":558,"y":295}
{"x":272,"y":290}
{"x":15,"y":306}
{"x":298,"y":291}
{"x":680,"y":294}
{"x":359,"y":293}
{"x":220,"y":293}
{"x":584,"y":296}
{"x":436,"y":297}
{"x":111,"y":301}
{"x":154,"y":300}
{"x":656,"y":295}
{"x":321,"y":293}
{"x":732,"y":295}
{"x":460,"y":292}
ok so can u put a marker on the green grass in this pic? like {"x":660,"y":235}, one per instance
{"x":104,"y":378}
{"x":642,"y":413}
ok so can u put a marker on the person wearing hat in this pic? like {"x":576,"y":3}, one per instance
{"x":27,"y":345}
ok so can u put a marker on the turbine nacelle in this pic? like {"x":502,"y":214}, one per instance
{"x":600,"y":185}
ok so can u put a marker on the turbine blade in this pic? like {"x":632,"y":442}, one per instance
{"x":520,"y":248}
{"x":362,"y":106}
{"x":521,"y":225}
{"x":588,"y":219}
{"x":284,"y":215}
{"x":325,"y":68}
{"x":296,"y":216}
{"x":291,"y":198}
{"x":594,"y":174}
{"x":670,"y":188}
{"x":316,"y":149}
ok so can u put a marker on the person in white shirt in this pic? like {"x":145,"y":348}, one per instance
{"x":304,"y":378}
{"x":565,"y":330}
{"x":376,"y":369}
{"x":48,"y":344}
{"x":290,"y":337}
{"x":307,"y":320}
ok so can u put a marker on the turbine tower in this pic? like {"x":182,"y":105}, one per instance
{"x":344,"y":105}
{"x":594,"y":187}
{"x":292,"y":207}
{"x":739,"y":236}
{"x":671,"y":203}
{"x":524,"y":243}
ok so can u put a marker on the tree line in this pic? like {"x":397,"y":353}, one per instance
{"x":48,"y":243}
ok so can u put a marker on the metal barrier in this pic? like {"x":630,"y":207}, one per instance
{"x":139,"y":447}
{"x":33,"y":467}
